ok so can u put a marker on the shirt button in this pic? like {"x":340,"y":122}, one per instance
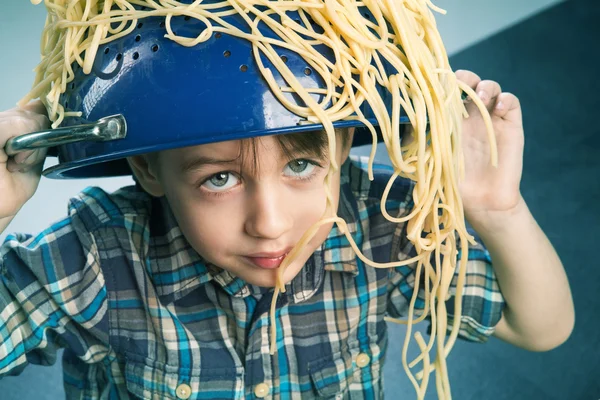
{"x":362,"y":360}
{"x":261,"y":390}
{"x":183,"y":391}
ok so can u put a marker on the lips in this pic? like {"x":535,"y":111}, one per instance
{"x":268,"y":260}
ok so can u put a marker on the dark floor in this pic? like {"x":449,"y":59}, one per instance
{"x":551,"y":62}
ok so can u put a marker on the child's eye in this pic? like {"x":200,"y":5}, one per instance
{"x":300,"y":168}
{"x":220,"y":182}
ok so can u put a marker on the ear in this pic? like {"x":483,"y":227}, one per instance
{"x":144,"y":168}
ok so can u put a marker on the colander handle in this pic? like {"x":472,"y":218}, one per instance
{"x":108,"y":128}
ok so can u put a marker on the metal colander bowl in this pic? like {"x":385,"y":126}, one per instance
{"x":175,"y":96}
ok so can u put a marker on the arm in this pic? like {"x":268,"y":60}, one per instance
{"x":539,"y":312}
{"x":43,"y":293}
{"x":52,"y":295}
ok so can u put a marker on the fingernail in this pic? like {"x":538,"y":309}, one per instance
{"x":500,"y":106}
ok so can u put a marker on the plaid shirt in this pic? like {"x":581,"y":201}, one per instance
{"x":140,"y":315}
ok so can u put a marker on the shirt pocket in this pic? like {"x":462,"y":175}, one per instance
{"x":151,"y":380}
{"x":332,"y":375}
{"x":357,"y":369}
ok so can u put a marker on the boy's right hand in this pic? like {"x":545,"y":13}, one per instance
{"x":20,"y":175}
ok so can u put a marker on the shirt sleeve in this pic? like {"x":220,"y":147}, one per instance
{"x":482,"y":301}
{"x":52,"y":295}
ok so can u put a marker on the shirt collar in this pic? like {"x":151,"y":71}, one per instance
{"x":177,"y":269}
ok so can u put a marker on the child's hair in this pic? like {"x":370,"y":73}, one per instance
{"x":313,"y":143}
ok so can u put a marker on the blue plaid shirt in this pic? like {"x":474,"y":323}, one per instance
{"x":140,"y":315}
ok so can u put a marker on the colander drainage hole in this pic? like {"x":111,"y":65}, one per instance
{"x":243,"y":68}
{"x":226,"y":53}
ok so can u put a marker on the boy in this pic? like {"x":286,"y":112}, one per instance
{"x":164,"y":292}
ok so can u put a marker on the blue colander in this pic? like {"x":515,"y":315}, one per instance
{"x":174,"y":96}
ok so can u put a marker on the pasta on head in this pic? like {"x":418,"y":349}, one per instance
{"x":395,"y":47}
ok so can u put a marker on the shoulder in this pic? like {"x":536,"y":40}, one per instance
{"x":374,"y":203}
{"x":94,"y":207}
{"x":68,"y":243}
{"x":355,"y":173}
{"x":69,"y":249}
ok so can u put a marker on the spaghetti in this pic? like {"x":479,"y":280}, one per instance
{"x":401,"y":34}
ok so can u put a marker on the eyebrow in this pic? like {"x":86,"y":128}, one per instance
{"x":198,"y":162}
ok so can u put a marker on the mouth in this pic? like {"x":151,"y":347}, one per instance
{"x":268,"y":260}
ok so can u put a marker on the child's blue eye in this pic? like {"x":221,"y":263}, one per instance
{"x":220,"y":182}
{"x":300,"y":168}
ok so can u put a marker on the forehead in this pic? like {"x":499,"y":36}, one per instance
{"x":229,"y":149}
{"x":255,"y":151}
{"x":238,"y":154}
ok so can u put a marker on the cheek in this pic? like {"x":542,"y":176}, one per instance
{"x":210,"y":227}
{"x":308,"y":205}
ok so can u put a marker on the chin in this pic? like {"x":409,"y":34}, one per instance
{"x":265,"y":279}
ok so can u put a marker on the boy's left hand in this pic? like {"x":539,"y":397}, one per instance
{"x":488,"y":190}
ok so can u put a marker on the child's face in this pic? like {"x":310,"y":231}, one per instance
{"x":243,"y":214}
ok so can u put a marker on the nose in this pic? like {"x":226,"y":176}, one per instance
{"x":269,"y":215}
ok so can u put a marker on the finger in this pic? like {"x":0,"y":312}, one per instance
{"x":468,"y":77}
{"x":29,"y":158}
{"x":488,"y":91}
{"x":38,"y":112}
{"x":508,"y":107}
{"x":17,"y":122}
{"x":26,"y":161}
{"x":37,"y":107}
